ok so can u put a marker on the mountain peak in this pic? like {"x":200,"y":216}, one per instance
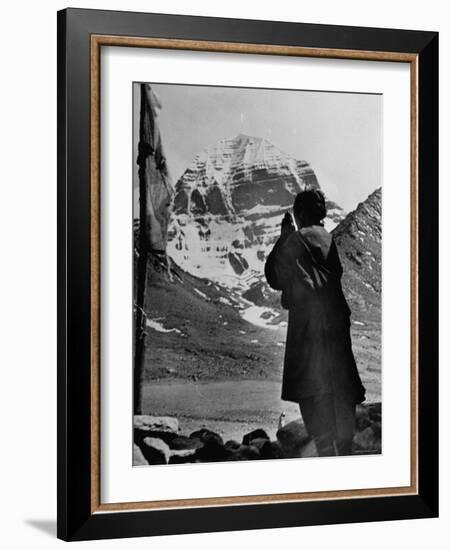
{"x":365,"y":218}
{"x":358,"y":238}
{"x":245,"y":171}
{"x":240,"y":148}
{"x":229,"y":204}
{"x":245,"y":137}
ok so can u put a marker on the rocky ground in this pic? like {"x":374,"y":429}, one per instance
{"x":161,"y":440}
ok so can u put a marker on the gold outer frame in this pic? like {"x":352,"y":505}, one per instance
{"x":97,"y":41}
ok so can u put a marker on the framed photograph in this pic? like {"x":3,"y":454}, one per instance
{"x":247,"y":255}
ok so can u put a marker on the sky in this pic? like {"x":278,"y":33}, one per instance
{"x":339,"y":134}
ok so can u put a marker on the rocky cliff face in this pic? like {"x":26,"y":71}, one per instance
{"x":358,"y":238}
{"x":228,"y":207}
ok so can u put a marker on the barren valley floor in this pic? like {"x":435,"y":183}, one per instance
{"x":237,"y":389}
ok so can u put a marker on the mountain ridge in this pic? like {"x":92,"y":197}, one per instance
{"x":358,"y":238}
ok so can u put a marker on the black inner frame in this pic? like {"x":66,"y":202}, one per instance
{"x":75,"y":521}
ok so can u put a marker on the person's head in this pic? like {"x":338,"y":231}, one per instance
{"x":309,"y":207}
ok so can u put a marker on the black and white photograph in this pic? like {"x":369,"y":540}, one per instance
{"x":223,"y":284}
{"x":257,"y":275}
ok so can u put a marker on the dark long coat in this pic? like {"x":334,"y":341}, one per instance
{"x":305,"y":266}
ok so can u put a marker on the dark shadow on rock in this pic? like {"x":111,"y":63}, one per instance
{"x":47,"y":526}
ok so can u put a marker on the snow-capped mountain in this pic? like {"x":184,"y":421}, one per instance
{"x":228,"y":208}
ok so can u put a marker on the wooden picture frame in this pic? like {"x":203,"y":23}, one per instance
{"x":81,"y":35}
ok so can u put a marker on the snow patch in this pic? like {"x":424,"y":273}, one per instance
{"x":202,"y":294}
{"x":253,"y":315}
{"x":261,"y":209}
{"x":159,"y":327}
{"x":329,"y":224}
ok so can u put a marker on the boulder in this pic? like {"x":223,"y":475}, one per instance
{"x":181,"y":442}
{"x":147,"y":422}
{"x":232,"y":445}
{"x":376,"y":427}
{"x":182,"y":456}
{"x":292,"y":438}
{"x":155,"y":450}
{"x":212,"y":452}
{"x":255,"y":434}
{"x":276,"y":449}
{"x":375,"y":412}
{"x":138,"y":457}
{"x":213,"y":449}
{"x":264,"y":447}
{"x":367,"y":441}
{"x":161,"y":427}
{"x":207,"y":436}
{"x":244,"y":452}
{"x":362,"y":419}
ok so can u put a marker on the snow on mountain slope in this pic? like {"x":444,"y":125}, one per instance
{"x":228,"y":208}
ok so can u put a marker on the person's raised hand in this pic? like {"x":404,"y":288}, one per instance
{"x":287,"y":225}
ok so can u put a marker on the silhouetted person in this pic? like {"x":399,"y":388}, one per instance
{"x":320,"y":372}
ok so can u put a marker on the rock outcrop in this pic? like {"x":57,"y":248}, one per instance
{"x":162,"y":427}
{"x":358,"y":238}
{"x":205,"y":445}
